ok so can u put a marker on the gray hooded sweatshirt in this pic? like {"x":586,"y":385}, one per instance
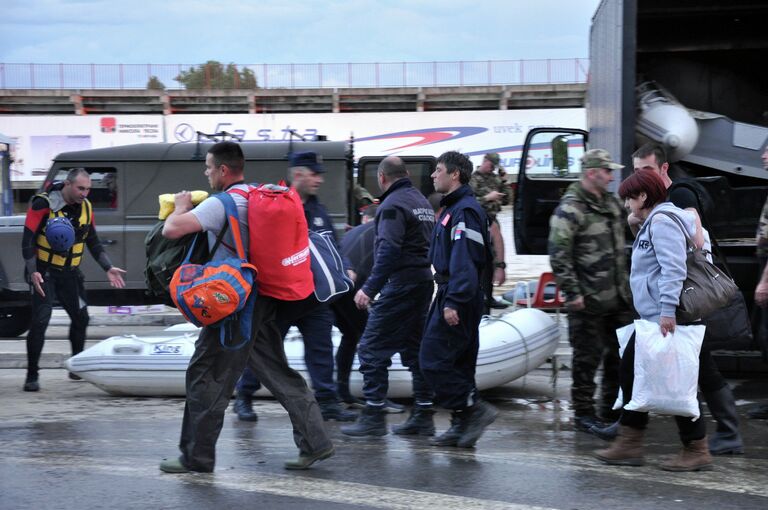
{"x":658,"y":262}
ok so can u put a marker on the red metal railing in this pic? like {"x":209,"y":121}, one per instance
{"x":333,"y":75}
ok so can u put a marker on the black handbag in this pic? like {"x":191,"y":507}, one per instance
{"x":706,"y":288}
{"x":730,"y":327}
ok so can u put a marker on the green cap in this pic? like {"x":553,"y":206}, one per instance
{"x":599,"y":158}
{"x":493,"y":157}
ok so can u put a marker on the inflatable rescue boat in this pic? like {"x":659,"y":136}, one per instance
{"x":154,"y":364}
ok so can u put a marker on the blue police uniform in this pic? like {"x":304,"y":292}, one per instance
{"x":459,"y":252}
{"x":402,"y":278}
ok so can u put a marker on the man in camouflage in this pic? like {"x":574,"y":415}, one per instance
{"x":586,"y":252}
{"x":492,"y":192}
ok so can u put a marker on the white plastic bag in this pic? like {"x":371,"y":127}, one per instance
{"x":623,"y":335}
{"x":666,"y":370}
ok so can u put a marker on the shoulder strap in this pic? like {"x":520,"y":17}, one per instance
{"x":230,"y":209}
{"x":689,"y":241}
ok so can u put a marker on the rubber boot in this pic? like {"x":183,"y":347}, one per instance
{"x":243,"y":406}
{"x":626,"y":450}
{"x":371,"y":422}
{"x":451,"y":436}
{"x":420,"y":422}
{"x":726,"y":439}
{"x":477,"y":417}
{"x":693,"y":457}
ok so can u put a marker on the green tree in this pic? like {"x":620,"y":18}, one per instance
{"x":154,"y":83}
{"x":214,"y":75}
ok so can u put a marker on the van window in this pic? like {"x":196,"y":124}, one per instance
{"x":103,"y":193}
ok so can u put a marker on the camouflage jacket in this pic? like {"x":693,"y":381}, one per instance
{"x":482,"y":184}
{"x":762,"y":232}
{"x":587,"y":250}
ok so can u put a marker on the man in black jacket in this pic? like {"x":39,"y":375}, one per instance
{"x":402,"y":279}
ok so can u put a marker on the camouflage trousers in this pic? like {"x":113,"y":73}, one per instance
{"x":593,"y":340}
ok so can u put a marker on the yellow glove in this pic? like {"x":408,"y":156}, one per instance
{"x":167,"y":202}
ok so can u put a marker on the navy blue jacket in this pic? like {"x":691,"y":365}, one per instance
{"x":460,"y":246}
{"x":404,"y":225}
{"x":357,"y":248}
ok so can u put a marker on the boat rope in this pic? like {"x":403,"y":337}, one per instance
{"x":525,"y":341}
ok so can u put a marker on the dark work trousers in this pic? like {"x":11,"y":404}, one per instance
{"x":395,"y":325}
{"x":351,"y":322}
{"x":65,"y":287}
{"x":689,"y":430}
{"x":448,"y":355}
{"x":315,"y":328}
{"x":211,"y":378}
{"x":593,"y":340}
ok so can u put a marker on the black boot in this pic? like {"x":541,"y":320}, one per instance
{"x":451,"y":436}
{"x":371,"y":422}
{"x":607,"y":433}
{"x":332,"y":410}
{"x":726,"y":439}
{"x":477,"y":418}
{"x":420,"y":423}
{"x":31,"y":383}
{"x":244,"y":407}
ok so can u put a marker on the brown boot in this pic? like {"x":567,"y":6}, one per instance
{"x":626,"y":450}
{"x":694,"y":456}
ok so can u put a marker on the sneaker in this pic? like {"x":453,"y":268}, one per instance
{"x":497,"y":305}
{"x":75,"y":377}
{"x":307,"y":459}
{"x":393,"y":407}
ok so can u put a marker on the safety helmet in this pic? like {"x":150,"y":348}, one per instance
{"x":60,"y":234}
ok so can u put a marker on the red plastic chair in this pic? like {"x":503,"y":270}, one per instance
{"x":539,"y":301}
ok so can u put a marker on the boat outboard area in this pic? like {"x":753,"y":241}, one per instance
{"x":154,"y":364}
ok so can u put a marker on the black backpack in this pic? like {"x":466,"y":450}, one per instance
{"x":164,"y":256}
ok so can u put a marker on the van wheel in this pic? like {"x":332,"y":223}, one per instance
{"x":14,"y":321}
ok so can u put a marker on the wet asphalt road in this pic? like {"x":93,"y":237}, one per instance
{"x":73,"y":446}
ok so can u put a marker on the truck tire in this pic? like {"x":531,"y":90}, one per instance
{"x":14,"y":320}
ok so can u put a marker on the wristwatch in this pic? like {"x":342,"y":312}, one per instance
{"x":501,"y":265}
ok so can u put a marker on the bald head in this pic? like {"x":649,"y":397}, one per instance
{"x":390,"y":170}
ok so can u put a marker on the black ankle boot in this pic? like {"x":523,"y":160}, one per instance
{"x":451,"y":436}
{"x":420,"y":423}
{"x":371,"y":422}
{"x":244,"y":408}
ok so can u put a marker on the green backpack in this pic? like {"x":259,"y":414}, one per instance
{"x":165,"y":255}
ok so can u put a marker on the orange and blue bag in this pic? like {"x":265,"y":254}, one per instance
{"x":220,"y":293}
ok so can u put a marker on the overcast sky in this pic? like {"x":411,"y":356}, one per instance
{"x":291,"y":31}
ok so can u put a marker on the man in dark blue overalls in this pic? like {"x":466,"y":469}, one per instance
{"x":402,"y":278}
{"x":460,"y":250}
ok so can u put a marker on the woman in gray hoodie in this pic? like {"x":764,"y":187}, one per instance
{"x":656,"y":279}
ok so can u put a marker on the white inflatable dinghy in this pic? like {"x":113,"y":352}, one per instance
{"x":155,"y":364}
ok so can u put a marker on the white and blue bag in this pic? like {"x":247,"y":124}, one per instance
{"x":331,"y":280}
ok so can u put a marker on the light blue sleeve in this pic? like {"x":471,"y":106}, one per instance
{"x":670,"y":248}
